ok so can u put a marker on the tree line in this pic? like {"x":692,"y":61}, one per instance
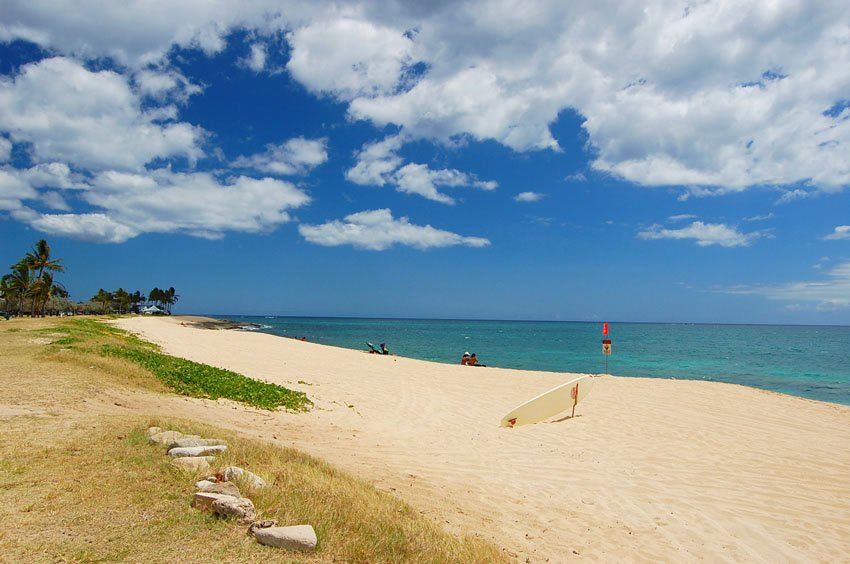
{"x":31,"y":288}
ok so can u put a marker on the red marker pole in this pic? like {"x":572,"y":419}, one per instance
{"x":606,"y":345}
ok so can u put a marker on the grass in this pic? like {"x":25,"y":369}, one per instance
{"x":97,"y":491}
{"x":182,"y":376}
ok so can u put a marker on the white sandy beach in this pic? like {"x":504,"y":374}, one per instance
{"x":648,"y":470}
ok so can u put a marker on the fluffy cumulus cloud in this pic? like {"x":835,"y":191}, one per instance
{"x":378,"y":230}
{"x":296,"y":156}
{"x":137,"y":33}
{"x":379,"y":164}
{"x":716,"y":96}
{"x":348,"y":57}
{"x":830,"y":293}
{"x":162,"y":201}
{"x":91,"y":119}
{"x":705,"y":234}
{"x":13,"y":190}
{"x":840,"y":232}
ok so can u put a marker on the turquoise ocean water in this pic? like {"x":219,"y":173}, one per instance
{"x":807,"y":361}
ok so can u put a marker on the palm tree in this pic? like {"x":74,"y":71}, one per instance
{"x":136,"y":298}
{"x":170,"y":298}
{"x":39,"y":260}
{"x":104,"y":298}
{"x":19,"y":283}
{"x":122,"y":298}
{"x":156,"y":297}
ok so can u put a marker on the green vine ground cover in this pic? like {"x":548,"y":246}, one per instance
{"x":183,"y":376}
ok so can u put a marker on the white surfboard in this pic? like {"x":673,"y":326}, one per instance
{"x":547,"y":404}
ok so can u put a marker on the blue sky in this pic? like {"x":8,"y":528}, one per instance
{"x":676,"y":161}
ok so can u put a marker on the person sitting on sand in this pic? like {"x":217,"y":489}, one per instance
{"x":473,"y":361}
{"x":464,"y":360}
{"x":384,"y":349}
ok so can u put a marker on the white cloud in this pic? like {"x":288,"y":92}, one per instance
{"x":137,"y":33}
{"x":705,"y":234}
{"x":718,"y":96}
{"x":91,"y":119}
{"x":52,"y":175}
{"x":828,"y":294}
{"x":529,"y":197}
{"x":577,"y":177}
{"x":296,"y":156}
{"x":5,"y":149}
{"x":379,"y":164}
{"x":376,"y":162}
{"x":94,"y":227}
{"x":161,"y":201}
{"x":681,"y":217}
{"x":377,"y":230}
{"x":840,"y":232}
{"x":165,"y":85}
{"x":421,"y":180}
{"x":348,"y":57}
{"x":256,"y":61}
{"x":794,"y":195}
{"x":13,"y":190}
{"x":764,"y":217}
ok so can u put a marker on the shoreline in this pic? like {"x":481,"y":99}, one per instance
{"x":206,"y":322}
{"x":649,"y":469}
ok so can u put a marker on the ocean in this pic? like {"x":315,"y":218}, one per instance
{"x":807,"y":361}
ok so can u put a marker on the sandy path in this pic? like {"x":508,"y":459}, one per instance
{"x":649,"y":470}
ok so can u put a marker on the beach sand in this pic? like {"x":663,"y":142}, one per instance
{"x":648,"y":470}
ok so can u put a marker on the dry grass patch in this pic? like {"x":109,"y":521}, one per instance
{"x":93,"y":489}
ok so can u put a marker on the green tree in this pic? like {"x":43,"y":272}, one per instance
{"x":136,"y":299}
{"x":18,"y":285}
{"x":170,"y":298}
{"x":103,"y":298}
{"x":40,"y":261}
{"x":156,"y":296}
{"x":122,"y":300}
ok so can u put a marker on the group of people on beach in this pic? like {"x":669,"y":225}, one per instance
{"x":470,"y":360}
{"x":466,"y":360}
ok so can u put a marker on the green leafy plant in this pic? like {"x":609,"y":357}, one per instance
{"x":201,"y":380}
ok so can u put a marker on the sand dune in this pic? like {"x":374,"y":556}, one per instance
{"x":648,"y":470}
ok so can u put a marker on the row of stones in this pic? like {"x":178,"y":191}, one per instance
{"x":220,"y":496}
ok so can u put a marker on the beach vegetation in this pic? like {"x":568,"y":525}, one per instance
{"x":81,"y":483}
{"x":31,"y":288}
{"x":94,"y":337}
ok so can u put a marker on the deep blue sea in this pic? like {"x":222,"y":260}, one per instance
{"x":808,"y":361}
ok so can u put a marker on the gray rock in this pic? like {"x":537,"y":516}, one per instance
{"x":165,"y":438}
{"x":203,"y":483}
{"x":153,"y":431}
{"x":248,"y":478}
{"x":194,"y":463}
{"x":239,"y":507}
{"x":204,"y":500}
{"x":189,"y":442}
{"x":197,"y":451}
{"x":297,"y":537}
{"x":226,"y":488}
